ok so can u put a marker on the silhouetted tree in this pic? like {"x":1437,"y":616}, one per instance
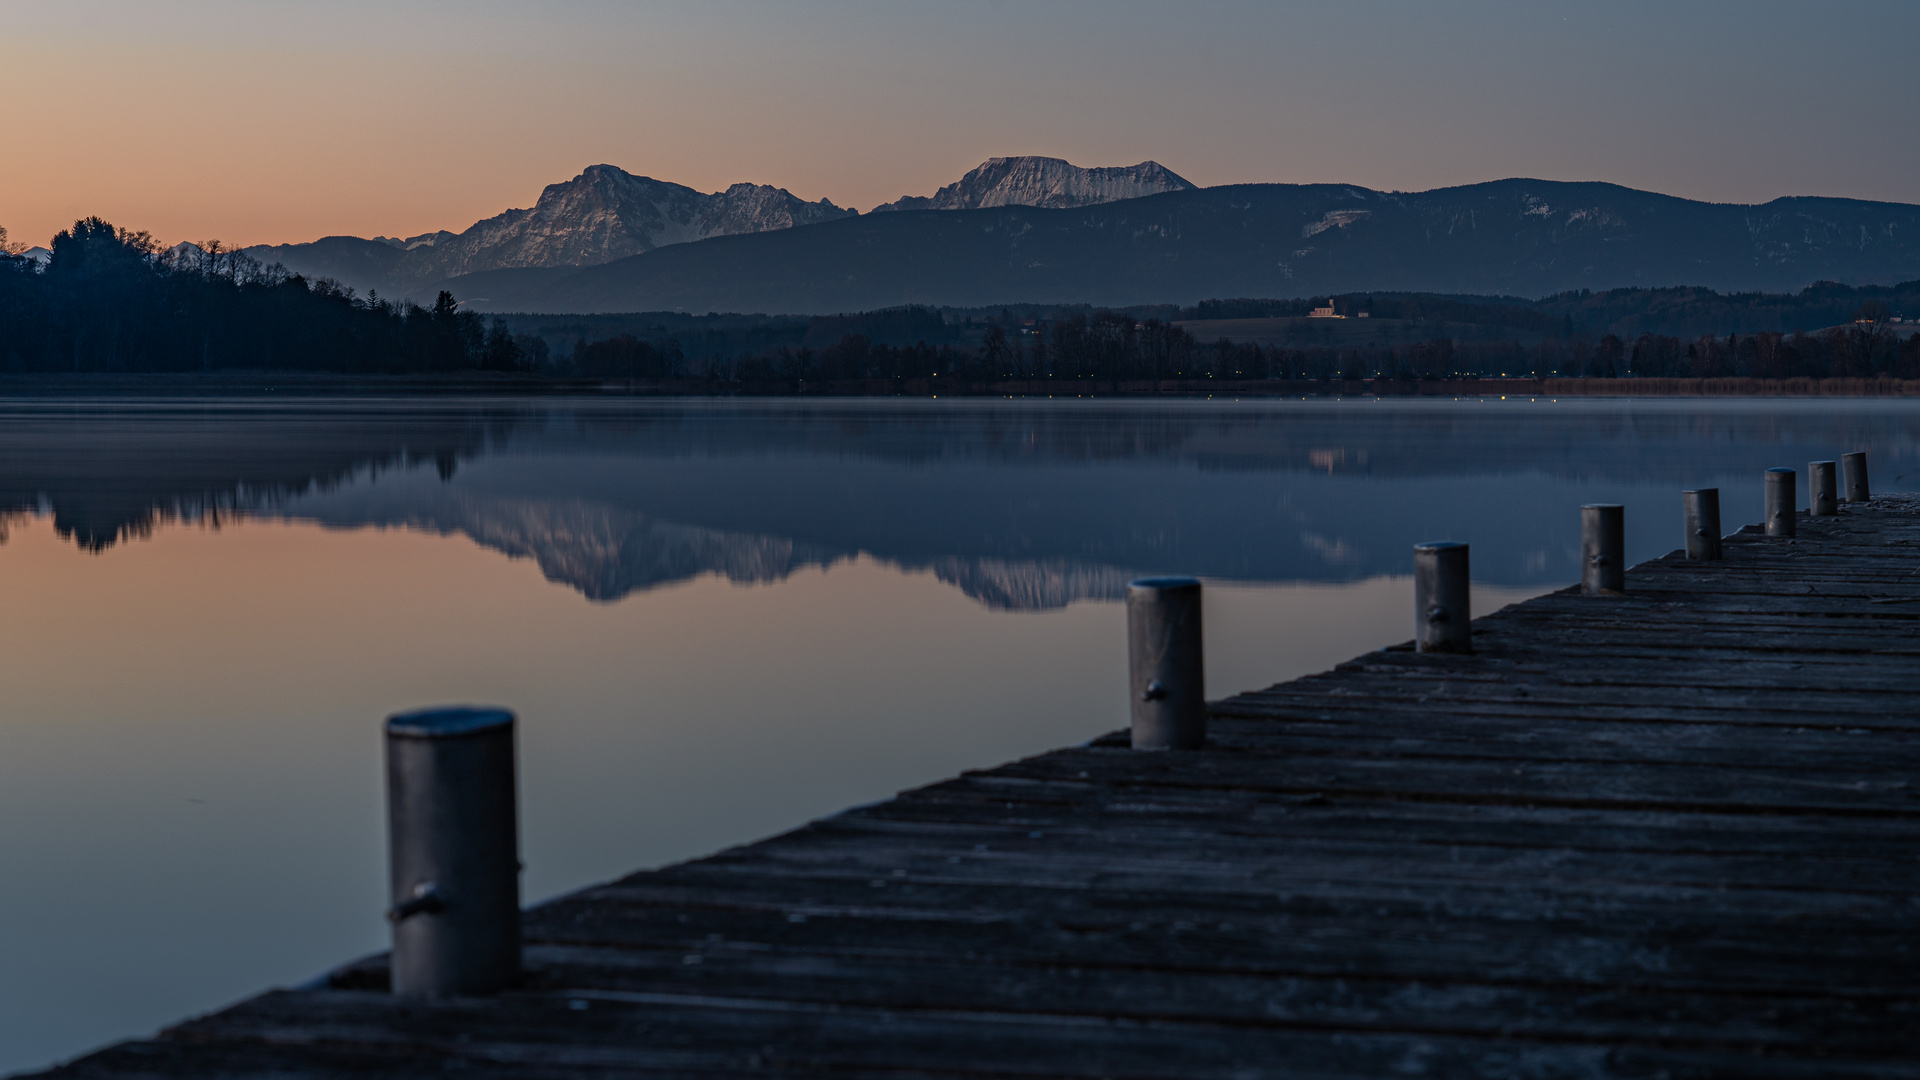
{"x":994,"y":354}
{"x":1867,"y":339}
{"x":1609,"y":358}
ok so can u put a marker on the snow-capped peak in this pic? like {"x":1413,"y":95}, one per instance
{"x":1044,"y":181}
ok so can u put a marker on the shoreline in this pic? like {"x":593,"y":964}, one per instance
{"x":308,"y":383}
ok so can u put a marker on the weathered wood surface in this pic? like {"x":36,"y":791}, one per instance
{"x":1671,"y":834}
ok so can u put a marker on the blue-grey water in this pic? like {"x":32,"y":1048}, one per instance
{"x":716,"y":619}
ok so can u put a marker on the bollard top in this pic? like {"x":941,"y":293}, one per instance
{"x":1701,"y":491}
{"x":1440,"y":545}
{"x":448,"y":722}
{"x":1603,"y":506}
{"x":1776,"y":471}
{"x":1856,"y":453}
{"x":1157,"y":583}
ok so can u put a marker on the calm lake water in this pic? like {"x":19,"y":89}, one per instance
{"x":716,"y":620}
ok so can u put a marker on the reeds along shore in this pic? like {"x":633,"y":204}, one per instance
{"x":1386,"y":387}
{"x":295,"y":383}
{"x":1571,"y":387}
{"x":1736,"y":387}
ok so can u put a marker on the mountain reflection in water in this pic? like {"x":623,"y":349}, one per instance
{"x":1021,"y":505}
{"x":195,"y":711}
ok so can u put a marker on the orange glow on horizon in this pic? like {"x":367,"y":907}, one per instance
{"x":271,"y":123}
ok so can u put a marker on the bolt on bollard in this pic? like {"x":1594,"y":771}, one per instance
{"x":1166,"y":664}
{"x":1603,"y":549}
{"x":1700,"y":511}
{"x":1854,"y":467}
{"x":453,"y":852}
{"x":1821,"y":500}
{"x":1780,"y":503}
{"x":1443,"y":616}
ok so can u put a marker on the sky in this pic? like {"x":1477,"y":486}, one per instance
{"x":269,"y":122}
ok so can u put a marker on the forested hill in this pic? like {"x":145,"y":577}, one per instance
{"x":110,"y":300}
{"x":1628,"y":313}
{"x":1512,"y":237}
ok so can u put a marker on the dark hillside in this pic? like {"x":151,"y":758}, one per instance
{"x":1690,"y":312}
{"x":1628,"y":313}
{"x":1511,"y":237}
{"x":1352,"y":333}
{"x":363,"y":264}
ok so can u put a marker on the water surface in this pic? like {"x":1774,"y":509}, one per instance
{"x":716,"y":620}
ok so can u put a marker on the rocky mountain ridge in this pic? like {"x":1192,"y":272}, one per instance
{"x":1046,"y":182}
{"x":1517,"y":237}
{"x":605,"y":213}
{"x":1017,"y":230}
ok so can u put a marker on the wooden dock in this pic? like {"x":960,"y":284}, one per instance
{"x":1670,"y":834}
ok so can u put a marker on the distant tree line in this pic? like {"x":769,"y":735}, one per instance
{"x":1680,"y":311}
{"x":1550,"y":337}
{"x":1866,"y":347}
{"x":1103,"y":345}
{"x":1484,"y":311}
{"x":1692,"y":312}
{"x":1110,"y":346}
{"x":111,"y":300}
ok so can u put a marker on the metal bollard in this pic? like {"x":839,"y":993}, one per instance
{"x":1780,"y":503}
{"x":1603,"y":549}
{"x":1854,"y":467}
{"x":1166,"y":664}
{"x":1820,"y":490}
{"x":453,"y":851}
{"x":1442,"y":602}
{"x":1701,"y":512}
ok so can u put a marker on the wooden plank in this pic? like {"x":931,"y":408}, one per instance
{"x":1777,"y":789}
{"x":544,"y":1034}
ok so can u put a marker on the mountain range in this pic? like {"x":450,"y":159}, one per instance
{"x":607,"y":213}
{"x":601,"y":215}
{"x":1020,"y":230}
{"x":1044,"y":181}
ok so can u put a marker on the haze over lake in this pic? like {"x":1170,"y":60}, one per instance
{"x":716,"y":620}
